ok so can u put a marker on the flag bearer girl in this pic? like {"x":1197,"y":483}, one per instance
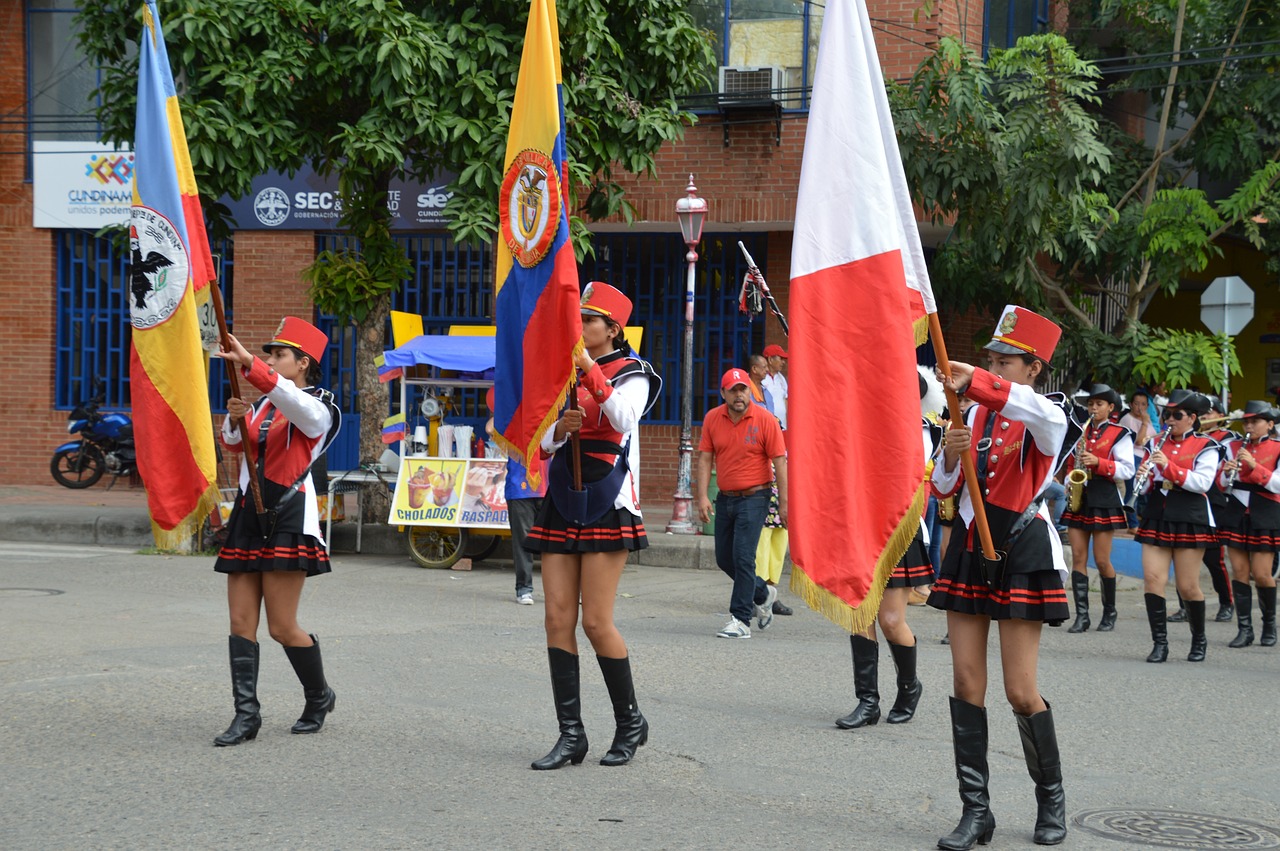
{"x":1021,"y":438}
{"x":267,"y":557}
{"x":584,"y":544}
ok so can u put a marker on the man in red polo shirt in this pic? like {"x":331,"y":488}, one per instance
{"x":742,"y":439}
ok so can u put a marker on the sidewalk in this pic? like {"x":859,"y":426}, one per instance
{"x":119,"y":518}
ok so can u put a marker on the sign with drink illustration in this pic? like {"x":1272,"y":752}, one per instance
{"x":467,"y":493}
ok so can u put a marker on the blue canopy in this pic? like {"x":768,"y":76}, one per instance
{"x":461,"y":353}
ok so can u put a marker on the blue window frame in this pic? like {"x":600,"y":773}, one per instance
{"x":92,"y":329}
{"x":454,"y":285}
{"x":1006,"y":21}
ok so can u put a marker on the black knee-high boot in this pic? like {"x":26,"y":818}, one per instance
{"x":1080,"y":590}
{"x":244,"y":692}
{"x":321,"y":699}
{"x":1040,"y":747}
{"x":866,"y":687}
{"x":909,"y":686}
{"x":633,"y":729}
{"x":1195,"y":617}
{"x":572,"y":744}
{"x":1244,"y":614}
{"x":1218,"y":574}
{"x":969,"y":740}
{"x":1159,"y":629}
{"x":1108,"y":622}
{"x":1267,"y":604}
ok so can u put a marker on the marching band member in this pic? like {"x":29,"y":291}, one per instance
{"x":1180,"y":467}
{"x":1022,"y":436}
{"x":1251,"y":521}
{"x":585,"y":546}
{"x":913,"y":570}
{"x":1213,"y":558}
{"x":268,"y":556}
{"x":1105,"y":454}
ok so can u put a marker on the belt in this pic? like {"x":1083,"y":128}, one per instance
{"x":747,"y":492}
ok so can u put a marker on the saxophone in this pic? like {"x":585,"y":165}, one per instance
{"x":1078,"y":478}
{"x":947,"y":504}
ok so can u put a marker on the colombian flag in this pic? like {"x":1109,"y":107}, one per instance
{"x":539,"y":325}
{"x":860,"y":296}
{"x":169,"y":278}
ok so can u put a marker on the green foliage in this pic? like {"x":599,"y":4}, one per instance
{"x":1105,"y":357}
{"x":374,"y":89}
{"x":1051,"y":205}
{"x":1177,"y":358}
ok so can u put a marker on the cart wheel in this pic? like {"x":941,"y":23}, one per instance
{"x":480,"y":546}
{"x":436,"y":546}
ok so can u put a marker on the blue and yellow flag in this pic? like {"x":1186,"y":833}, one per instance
{"x":169,"y":280}
{"x":539,"y":325}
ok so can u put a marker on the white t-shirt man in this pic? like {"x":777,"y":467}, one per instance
{"x":775,"y":383}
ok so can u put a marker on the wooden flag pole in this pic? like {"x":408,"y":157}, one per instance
{"x":224,"y":338}
{"x":966,"y":460}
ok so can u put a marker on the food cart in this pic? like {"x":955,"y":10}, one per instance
{"x":449,"y":498}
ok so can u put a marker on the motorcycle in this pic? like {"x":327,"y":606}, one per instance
{"x":105,"y":446}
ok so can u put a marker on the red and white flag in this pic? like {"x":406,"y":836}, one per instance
{"x":859,"y":299}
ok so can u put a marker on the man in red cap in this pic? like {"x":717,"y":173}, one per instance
{"x":775,"y":383}
{"x":743,"y":440}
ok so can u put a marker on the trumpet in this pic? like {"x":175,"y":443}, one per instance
{"x":1144,"y":472}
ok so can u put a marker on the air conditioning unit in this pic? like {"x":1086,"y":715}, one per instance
{"x":750,"y":84}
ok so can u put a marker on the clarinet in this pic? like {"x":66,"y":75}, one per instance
{"x":1234,"y":475}
{"x":1144,"y":472}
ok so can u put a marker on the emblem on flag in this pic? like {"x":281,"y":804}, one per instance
{"x":529,"y":207}
{"x":157,"y":268}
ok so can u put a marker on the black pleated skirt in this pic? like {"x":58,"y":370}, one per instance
{"x":1031,"y":589}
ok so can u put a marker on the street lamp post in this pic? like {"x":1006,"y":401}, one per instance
{"x":691,"y":211}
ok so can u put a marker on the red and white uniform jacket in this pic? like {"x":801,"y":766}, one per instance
{"x":1193,"y":463}
{"x":1113,"y":445}
{"x":613,"y":397}
{"x":295,"y":438}
{"x":1027,"y":430}
{"x":1263,"y":479}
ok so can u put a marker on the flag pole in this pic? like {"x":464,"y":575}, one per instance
{"x":225,"y":339}
{"x":966,"y":459}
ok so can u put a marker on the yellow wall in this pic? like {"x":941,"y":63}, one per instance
{"x":1259,"y":359}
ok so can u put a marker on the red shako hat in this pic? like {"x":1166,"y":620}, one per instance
{"x":774,"y":349}
{"x":733,"y":377}
{"x":302,"y":335}
{"x":1025,"y":332}
{"x":608,"y":301}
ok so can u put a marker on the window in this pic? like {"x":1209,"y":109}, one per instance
{"x":92,"y":333}
{"x":60,"y":103}
{"x":780,"y":35}
{"x":454,"y":285}
{"x":1006,"y":21}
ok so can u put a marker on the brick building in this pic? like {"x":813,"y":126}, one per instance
{"x":64,"y":314}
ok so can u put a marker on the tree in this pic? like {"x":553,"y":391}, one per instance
{"x":1049,"y":202}
{"x":370,"y":90}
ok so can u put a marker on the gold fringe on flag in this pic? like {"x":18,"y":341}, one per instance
{"x":921,"y":329}
{"x":857,"y":619}
{"x":178,"y":539}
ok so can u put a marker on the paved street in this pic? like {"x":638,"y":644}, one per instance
{"x":113,"y":682}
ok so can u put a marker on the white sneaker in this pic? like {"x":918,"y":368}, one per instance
{"x":524,"y":599}
{"x":734,"y":629}
{"x":764,"y":611}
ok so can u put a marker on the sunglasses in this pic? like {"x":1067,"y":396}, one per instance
{"x":1173,"y":415}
